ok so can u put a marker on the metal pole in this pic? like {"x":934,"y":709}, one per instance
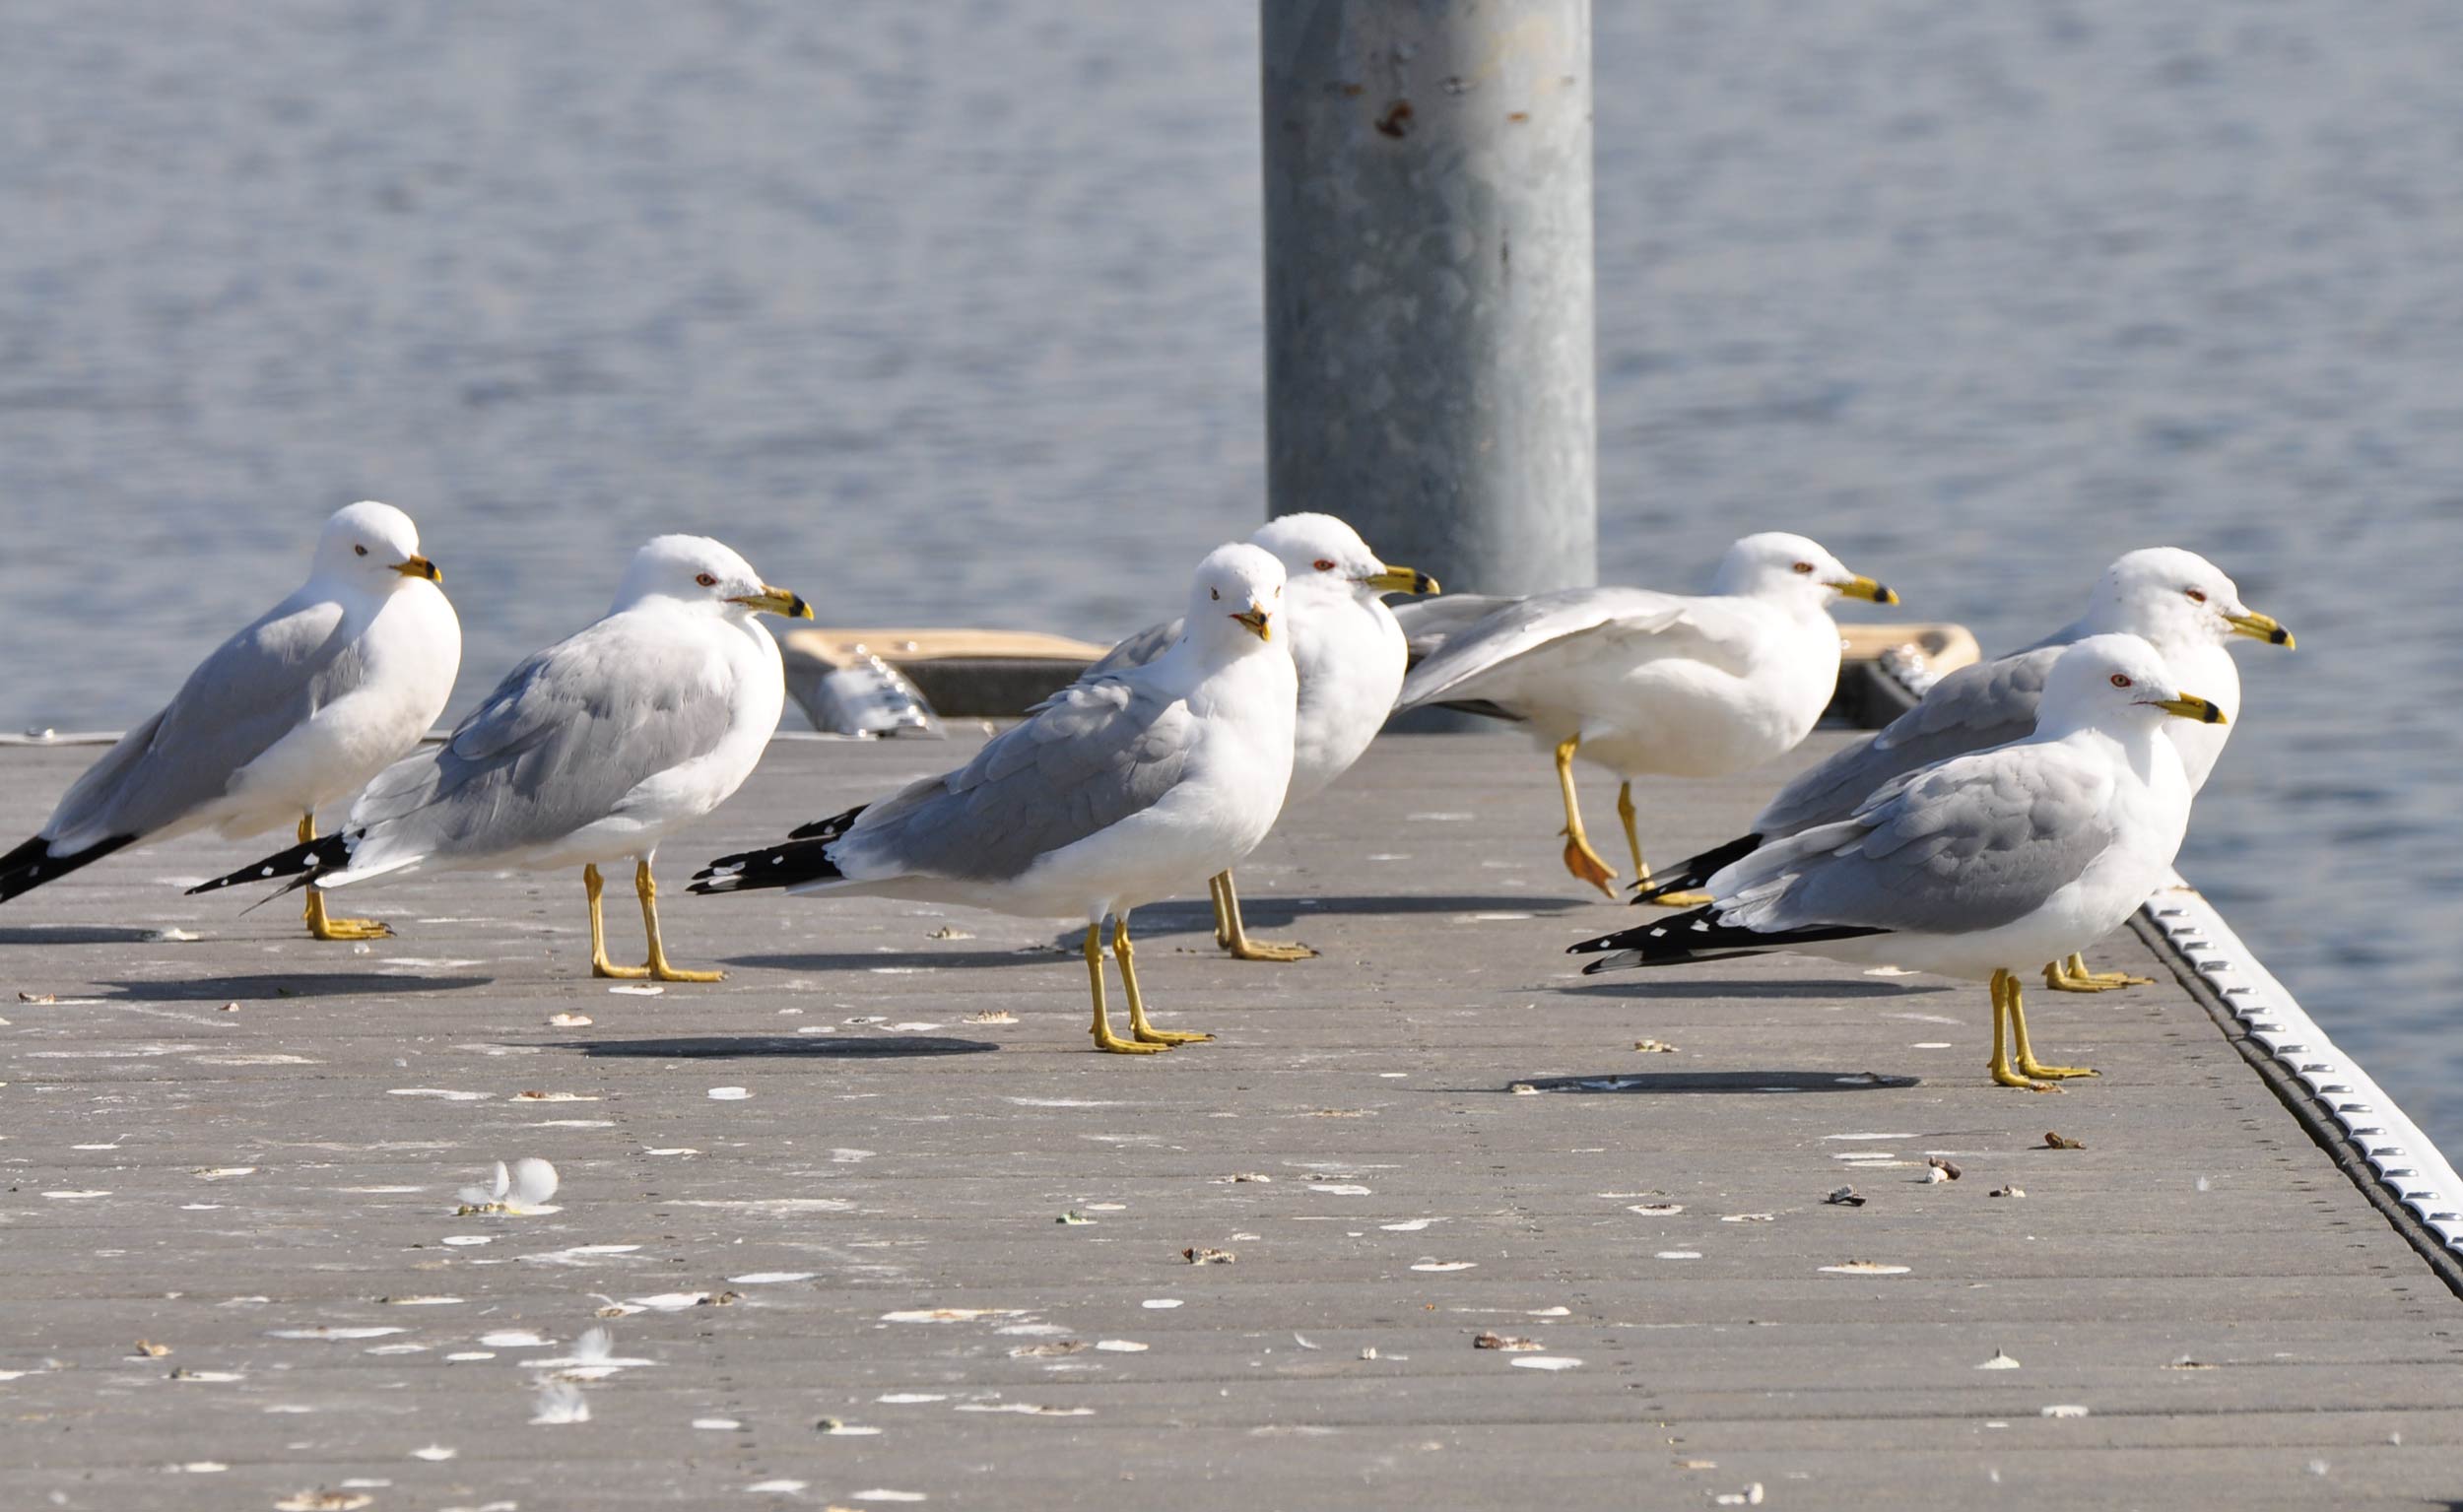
{"x":1429,"y":321}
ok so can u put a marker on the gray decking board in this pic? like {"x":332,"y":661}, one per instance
{"x":927,"y":1166}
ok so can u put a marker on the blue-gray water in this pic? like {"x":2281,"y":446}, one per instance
{"x":951,"y":314}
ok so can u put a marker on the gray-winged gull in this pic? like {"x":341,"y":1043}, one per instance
{"x":1979,"y":867}
{"x":1349,"y":653}
{"x":1117,"y":790}
{"x":591,"y":750}
{"x":291,"y":714}
{"x":1643,"y":681}
{"x":2176,"y":600}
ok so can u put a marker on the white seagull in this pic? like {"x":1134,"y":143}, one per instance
{"x":592,"y":751}
{"x":2175,"y":600}
{"x":1982,"y":864}
{"x":1349,"y":653}
{"x":1117,"y":790}
{"x":291,"y":714}
{"x":1643,"y":681}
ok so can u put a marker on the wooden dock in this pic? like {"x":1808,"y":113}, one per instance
{"x":879,"y":1228}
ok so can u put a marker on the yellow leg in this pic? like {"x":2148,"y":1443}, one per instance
{"x":2028,"y":1064}
{"x":2072,"y":975}
{"x":2004,"y":989}
{"x":1105,"y":1039}
{"x":1233,"y":935}
{"x":645,"y":887}
{"x":1582,"y":861}
{"x":1141,"y":1031}
{"x":324,"y":927}
{"x":1641,"y":868}
{"x":600,"y":966}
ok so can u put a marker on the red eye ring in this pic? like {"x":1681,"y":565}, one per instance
{"x":1323,"y":564}
{"x":2195,"y":596}
{"x":2119,"y":680}
{"x":706,"y":581}
{"x":1805,"y":567}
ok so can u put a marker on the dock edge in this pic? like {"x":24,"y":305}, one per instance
{"x":2377,"y":1144}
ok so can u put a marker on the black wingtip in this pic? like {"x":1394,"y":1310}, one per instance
{"x":1661,"y":938}
{"x":32,"y":851}
{"x":34,"y":863}
{"x":1695,"y":935}
{"x":1697,"y":871}
{"x":778,"y":866}
{"x":829,"y":828}
{"x":303,"y":861}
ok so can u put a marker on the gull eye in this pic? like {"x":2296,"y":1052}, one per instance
{"x":2196,"y":596}
{"x":1278,"y":590}
{"x":706,"y":581}
{"x":1325,"y":564}
{"x":1805,"y":567}
{"x":2120,"y":679}
{"x":362,"y":550}
{"x":1217,"y":592}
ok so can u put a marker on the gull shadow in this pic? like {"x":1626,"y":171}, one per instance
{"x":297,"y":984}
{"x":76,"y":934}
{"x":1696,"y":988}
{"x":1183,"y":916}
{"x":1284,"y":910}
{"x":991,"y":956}
{"x":826,"y":1047}
{"x":1724,"y":1083}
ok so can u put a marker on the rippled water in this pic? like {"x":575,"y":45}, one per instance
{"x":952,"y":312}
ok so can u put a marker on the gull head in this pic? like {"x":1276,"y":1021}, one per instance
{"x":1320,"y":553}
{"x":1777,"y":565}
{"x":2113,"y":683}
{"x":1238,"y":595}
{"x":2177,"y":599}
{"x":373,"y":546}
{"x":698,"y":573}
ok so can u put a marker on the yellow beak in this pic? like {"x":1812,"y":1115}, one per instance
{"x":2191,"y":706}
{"x":1862,"y":587}
{"x":420,"y":566}
{"x":1403,"y":580}
{"x":1259,"y":622}
{"x":2261,"y":627}
{"x":777,"y":601}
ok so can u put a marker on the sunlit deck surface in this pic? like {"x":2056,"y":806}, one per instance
{"x":853,"y":1284}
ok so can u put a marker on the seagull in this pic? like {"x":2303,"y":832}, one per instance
{"x":1640,"y":682}
{"x":1117,"y":789}
{"x":592,"y":751}
{"x":2175,"y":600}
{"x":1349,"y":653}
{"x":1981,"y":865}
{"x":292,"y":713}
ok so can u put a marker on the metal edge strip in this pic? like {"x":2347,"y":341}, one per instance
{"x":2380,"y":1146}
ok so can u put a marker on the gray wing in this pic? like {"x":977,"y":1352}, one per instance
{"x":1138,"y":649}
{"x":1092,"y":754}
{"x":1969,"y":846}
{"x":1428,"y":623}
{"x":257,"y":688}
{"x":1524,"y":625}
{"x":1976,"y":708}
{"x":557,"y":744}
